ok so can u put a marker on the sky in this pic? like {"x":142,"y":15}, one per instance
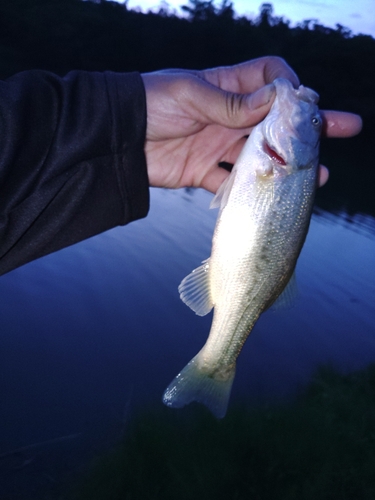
{"x":357,"y":15}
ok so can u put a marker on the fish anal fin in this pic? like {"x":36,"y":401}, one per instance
{"x":288,"y":296}
{"x":195,"y":290}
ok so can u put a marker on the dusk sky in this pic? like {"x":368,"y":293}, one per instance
{"x":357,"y":15}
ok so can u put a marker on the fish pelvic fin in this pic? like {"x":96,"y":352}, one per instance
{"x":195,"y":290}
{"x":193,"y":384}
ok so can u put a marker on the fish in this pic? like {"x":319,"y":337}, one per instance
{"x":265,"y":206}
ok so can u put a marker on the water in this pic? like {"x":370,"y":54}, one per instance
{"x":98,"y":328}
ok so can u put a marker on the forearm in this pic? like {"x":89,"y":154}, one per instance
{"x":72,"y":160}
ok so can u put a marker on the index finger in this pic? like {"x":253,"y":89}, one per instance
{"x":340,"y":123}
{"x":250,"y":76}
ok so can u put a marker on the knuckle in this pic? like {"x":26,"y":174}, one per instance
{"x":233,"y":102}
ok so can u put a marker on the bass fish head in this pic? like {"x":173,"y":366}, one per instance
{"x":291,"y":131}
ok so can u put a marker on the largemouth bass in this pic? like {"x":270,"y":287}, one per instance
{"x":265,"y":209}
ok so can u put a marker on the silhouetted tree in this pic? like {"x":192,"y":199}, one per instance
{"x":226,"y":9}
{"x":265,"y":16}
{"x":200,"y":10}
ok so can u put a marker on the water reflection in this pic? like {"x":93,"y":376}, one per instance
{"x":86,"y":327}
{"x":357,"y":222}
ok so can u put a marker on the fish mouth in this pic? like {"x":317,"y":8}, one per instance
{"x":273,"y":155}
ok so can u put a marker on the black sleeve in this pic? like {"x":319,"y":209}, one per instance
{"x":72,"y":160}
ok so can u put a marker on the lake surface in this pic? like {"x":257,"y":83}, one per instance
{"x":98,"y":329}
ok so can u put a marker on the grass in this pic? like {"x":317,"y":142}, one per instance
{"x":321,"y":446}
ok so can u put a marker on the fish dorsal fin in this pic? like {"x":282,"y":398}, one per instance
{"x":221,"y":197}
{"x":288,"y":296}
{"x":195,"y":290}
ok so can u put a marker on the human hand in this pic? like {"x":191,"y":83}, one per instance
{"x":197,"y":119}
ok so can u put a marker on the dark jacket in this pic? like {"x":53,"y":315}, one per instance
{"x":72,"y":160}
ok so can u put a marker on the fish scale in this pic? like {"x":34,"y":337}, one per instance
{"x":265,"y":209}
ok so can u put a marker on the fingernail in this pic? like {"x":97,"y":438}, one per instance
{"x":261,"y":97}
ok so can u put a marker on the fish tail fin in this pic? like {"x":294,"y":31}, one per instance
{"x":192,"y":384}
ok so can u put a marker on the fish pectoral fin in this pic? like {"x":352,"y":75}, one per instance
{"x":221,"y":197}
{"x":195,"y":290}
{"x":288,"y":296}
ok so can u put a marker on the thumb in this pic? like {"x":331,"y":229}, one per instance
{"x":234,"y":110}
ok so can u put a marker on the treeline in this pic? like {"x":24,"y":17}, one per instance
{"x":61,"y":35}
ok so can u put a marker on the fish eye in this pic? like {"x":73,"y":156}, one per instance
{"x":316,"y":121}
